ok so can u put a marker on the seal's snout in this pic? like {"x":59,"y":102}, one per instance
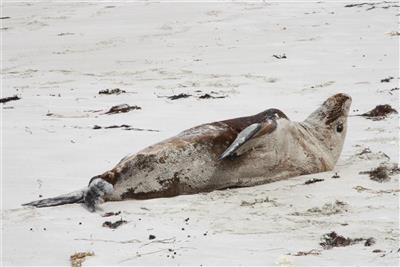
{"x":337,"y":106}
{"x":344,"y":101}
{"x":337,"y":102}
{"x":339,"y":99}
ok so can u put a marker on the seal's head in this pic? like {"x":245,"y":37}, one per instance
{"x":329,"y":123}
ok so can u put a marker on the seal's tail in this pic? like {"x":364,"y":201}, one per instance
{"x":74,"y":197}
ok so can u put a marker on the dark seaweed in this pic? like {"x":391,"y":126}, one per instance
{"x":115,"y":91}
{"x":379,"y":112}
{"x":114,"y":225}
{"x":313,"y":180}
{"x":122,"y":109}
{"x":10,"y":98}
{"x":175,"y":97}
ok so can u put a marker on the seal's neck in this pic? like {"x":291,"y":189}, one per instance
{"x":320,"y":126}
{"x":328,"y":124}
{"x":317,"y":118}
{"x":317,"y":145}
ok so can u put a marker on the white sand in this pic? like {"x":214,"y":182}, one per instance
{"x":148,"y":49}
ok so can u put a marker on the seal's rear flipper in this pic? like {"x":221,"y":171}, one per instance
{"x":74,"y":197}
{"x":93,"y":195}
{"x":89,"y":196}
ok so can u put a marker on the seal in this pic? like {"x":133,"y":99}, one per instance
{"x":240,"y":152}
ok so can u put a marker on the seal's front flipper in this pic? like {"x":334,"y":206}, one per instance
{"x":96,"y":190}
{"x":74,"y":197}
{"x":250,"y":132}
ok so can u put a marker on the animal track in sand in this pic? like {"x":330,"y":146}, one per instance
{"x":259,"y":78}
{"x":327,"y":209}
{"x":35,"y":25}
{"x":100,"y":45}
{"x":164,"y":34}
{"x":57,"y":82}
{"x":365,"y":153}
{"x":71,"y":115}
{"x":257,"y":201}
{"x":28,"y":73}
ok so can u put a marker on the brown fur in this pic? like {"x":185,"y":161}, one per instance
{"x":210,"y":139}
{"x":217,"y":145}
{"x":238,"y":124}
{"x":336,"y":111}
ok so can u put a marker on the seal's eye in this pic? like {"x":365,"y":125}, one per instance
{"x":339,"y":128}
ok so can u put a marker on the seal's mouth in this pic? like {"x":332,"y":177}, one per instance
{"x":337,"y":106}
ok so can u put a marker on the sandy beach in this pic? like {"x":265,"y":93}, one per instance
{"x":225,"y":60}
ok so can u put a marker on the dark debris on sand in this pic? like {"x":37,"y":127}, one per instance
{"x":123,"y":126}
{"x":179,"y":96}
{"x":379,"y":174}
{"x":10,"y":98}
{"x":386,"y":80}
{"x":369,"y":242}
{"x":373,"y":5}
{"x":111,"y":213}
{"x":211,"y":95}
{"x":380,"y":112}
{"x":279,"y":56}
{"x":65,"y":33}
{"x":114,"y":225}
{"x":382,"y":173}
{"x":126,"y":126}
{"x":313,"y":180}
{"x":115,"y":91}
{"x":207,"y":96}
{"x":332,"y":240}
{"x":122,"y":109}
{"x":306,"y":253}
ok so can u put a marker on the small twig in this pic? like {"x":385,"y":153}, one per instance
{"x":162,"y":241}
{"x":138,"y":255}
{"x":360,"y":188}
{"x":110,"y":241}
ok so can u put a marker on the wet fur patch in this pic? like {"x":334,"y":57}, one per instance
{"x":171,"y":188}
